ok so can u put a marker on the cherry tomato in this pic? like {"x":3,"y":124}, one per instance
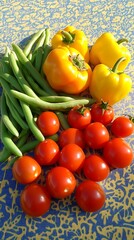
{"x":71,"y":135}
{"x":96,"y":135}
{"x":48,"y":123}
{"x":117,"y":153}
{"x":71,"y":157}
{"x":79,"y":117}
{"x":90,"y":196}
{"x":35,"y":200}
{"x":102,"y":112}
{"x":26,"y":169}
{"x":60,"y":182}
{"x":47,"y":152}
{"x":122,"y":127}
{"x":95,"y":168}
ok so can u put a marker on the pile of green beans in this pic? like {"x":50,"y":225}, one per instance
{"x":25,"y":94}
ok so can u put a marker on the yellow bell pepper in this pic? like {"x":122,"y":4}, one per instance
{"x":108,"y":50}
{"x":74,"y":38}
{"x":66,"y":70}
{"x":108,"y":84}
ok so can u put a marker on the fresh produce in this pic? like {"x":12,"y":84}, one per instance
{"x":70,"y":125}
{"x":71,"y":135}
{"x":79,"y":117}
{"x":107,"y":50}
{"x":90,"y":196}
{"x":48,"y":123}
{"x":117,"y":153}
{"x":95,"y":168}
{"x":122,"y":126}
{"x":60,"y":182}
{"x":72,"y":157}
{"x":47,"y":152}
{"x":74,"y":38}
{"x":67,"y":71}
{"x":26,"y":170}
{"x":96,"y":135}
{"x":109,"y":85}
{"x":35,"y":200}
{"x":102,"y":112}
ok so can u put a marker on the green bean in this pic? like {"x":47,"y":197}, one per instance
{"x":57,"y":99}
{"x":12,"y":80}
{"x":7,"y":89}
{"x":54,"y":137}
{"x":63,"y":120}
{"x":30,"y":121}
{"x":32,"y":70}
{"x":5,"y":117}
{"x":38,"y":59}
{"x":47,"y":39}
{"x":51,"y":106}
{"x":40,"y":41}
{"x":34,"y":85}
{"x":6,"y":153}
{"x":28,"y":147}
{"x":22,"y":81}
{"x":7,"y":141}
{"x":15,"y":114}
{"x":31,"y":42}
{"x":7,"y":51}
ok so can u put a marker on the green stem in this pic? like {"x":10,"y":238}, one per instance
{"x":116,"y":65}
{"x":122,"y":40}
{"x":68,"y":37}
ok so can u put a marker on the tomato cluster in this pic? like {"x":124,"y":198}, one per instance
{"x":94,"y":129}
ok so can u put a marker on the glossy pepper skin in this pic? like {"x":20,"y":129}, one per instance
{"x":109,"y":85}
{"x":107,"y":50}
{"x":74,"y":38}
{"x":66,"y":70}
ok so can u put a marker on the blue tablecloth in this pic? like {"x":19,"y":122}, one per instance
{"x":65,"y":220}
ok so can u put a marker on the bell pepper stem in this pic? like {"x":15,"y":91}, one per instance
{"x":122,"y":40}
{"x":115,"y":67}
{"x":67,"y":37}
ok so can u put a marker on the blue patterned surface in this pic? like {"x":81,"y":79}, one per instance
{"x":65,"y":220}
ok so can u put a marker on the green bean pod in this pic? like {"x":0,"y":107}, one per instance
{"x":7,"y":89}
{"x":63,"y":120}
{"x":7,"y":141}
{"x":22,"y":81}
{"x":5,"y":117}
{"x":15,"y":114}
{"x":12,"y":80}
{"x":30,"y":121}
{"x":50,"y":106}
{"x":34,"y":38}
{"x":32,"y":70}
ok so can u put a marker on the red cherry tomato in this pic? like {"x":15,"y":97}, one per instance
{"x":48,"y":123}
{"x":96,"y":135}
{"x":26,"y":169}
{"x":90,"y":196}
{"x":71,"y":157}
{"x":79,"y":117}
{"x":95,"y":168}
{"x":117,"y":153}
{"x":60,"y":182}
{"x":71,"y":135}
{"x":35,"y":200}
{"x":122,"y":127}
{"x":102,"y":112}
{"x":47,"y":152}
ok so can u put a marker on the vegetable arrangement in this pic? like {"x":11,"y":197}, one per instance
{"x":57,"y":101}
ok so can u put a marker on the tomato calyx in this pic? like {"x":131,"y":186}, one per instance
{"x":78,"y":62}
{"x":104,"y":106}
{"x":68,"y":37}
{"x":81,"y":109}
{"x":130,"y":118}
